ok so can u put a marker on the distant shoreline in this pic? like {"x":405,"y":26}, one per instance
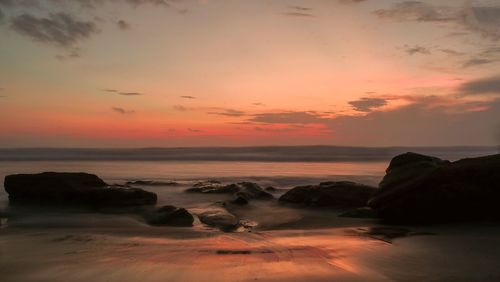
{"x":255,"y":154}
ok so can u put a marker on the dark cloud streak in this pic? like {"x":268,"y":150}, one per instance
{"x":59,"y":29}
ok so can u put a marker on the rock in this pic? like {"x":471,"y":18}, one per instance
{"x":423,"y":189}
{"x":341,"y":195}
{"x":209,"y":186}
{"x":246,"y":190}
{"x":240,"y":200}
{"x":219,"y":218}
{"x":72,"y":188}
{"x":152,"y":183}
{"x":169,"y":215}
{"x":363,"y":212}
{"x":271,"y":189}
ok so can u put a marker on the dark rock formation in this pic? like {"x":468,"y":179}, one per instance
{"x":169,"y":215}
{"x":341,"y":195}
{"x":423,"y":189}
{"x":244,"y":190}
{"x":72,"y":188}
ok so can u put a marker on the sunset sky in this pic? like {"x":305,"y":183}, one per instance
{"x":138,"y":73}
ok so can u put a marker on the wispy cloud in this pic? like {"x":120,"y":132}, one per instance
{"x":130,"y":93}
{"x":180,"y":108}
{"x":299,"y":11}
{"x":417,"y":49}
{"x":60,"y":29}
{"x":194,"y":130}
{"x":305,"y":117}
{"x":123,"y":93}
{"x":123,"y":25}
{"x":188,"y":97}
{"x":122,"y":111}
{"x":368,"y":104}
{"x":480,"y":19}
{"x":229,"y":113}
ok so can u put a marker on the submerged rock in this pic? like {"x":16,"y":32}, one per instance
{"x":423,"y":189}
{"x":72,"y":188}
{"x":243,"y":190}
{"x":169,"y":215}
{"x":341,"y":195}
{"x":219,"y":218}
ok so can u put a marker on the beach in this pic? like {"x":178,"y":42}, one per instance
{"x":287,"y":243}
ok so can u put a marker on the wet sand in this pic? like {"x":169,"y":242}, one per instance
{"x":123,"y":249}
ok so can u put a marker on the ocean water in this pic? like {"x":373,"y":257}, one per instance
{"x":282,"y":175}
{"x":288,"y":244}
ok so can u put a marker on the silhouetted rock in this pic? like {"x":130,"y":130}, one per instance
{"x":271,"y":189}
{"x":425,"y":189}
{"x":240,"y":201}
{"x":341,"y":195}
{"x":169,"y":215}
{"x":72,"y":188}
{"x":246,"y":190}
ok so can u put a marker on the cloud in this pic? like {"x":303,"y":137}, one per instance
{"x":418,"y":125}
{"x":123,"y":93}
{"x":130,"y":94}
{"x":300,"y":8}
{"x":481,"y":19}
{"x":194,"y":130}
{"x":486,"y":56}
{"x":417,"y":49}
{"x":180,"y":108}
{"x":229,"y":113}
{"x":489,"y":85}
{"x":368,"y":104}
{"x":122,"y":111}
{"x":476,"y":62}
{"x":258,"y":104}
{"x":306,"y":117}
{"x":123,"y":25}
{"x":187,"y":97}
{"x":60,"y":29}
{"x":451,"y":52}
{"x":299,"y":11}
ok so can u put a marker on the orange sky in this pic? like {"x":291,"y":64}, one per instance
{"x":104,"y":73}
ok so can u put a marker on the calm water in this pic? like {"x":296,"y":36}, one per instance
{"x":280,"y":174}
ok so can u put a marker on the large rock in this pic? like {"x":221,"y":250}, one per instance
{"x":219,"y":218}
{"x":340,"y":195}
{"x":243,"y":190}
{"x":73,"y":188}
{"x":169,"y":215}
{"x":423,"y":189}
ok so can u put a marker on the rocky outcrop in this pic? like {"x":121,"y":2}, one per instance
{"x":424,"y":189}
{"x":169,"y":215}
{"x":339,"y":195}
{"x":241,"y":191}
{"x":73,"y":188}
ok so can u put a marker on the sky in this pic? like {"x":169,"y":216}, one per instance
{"x":170,"y":73}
